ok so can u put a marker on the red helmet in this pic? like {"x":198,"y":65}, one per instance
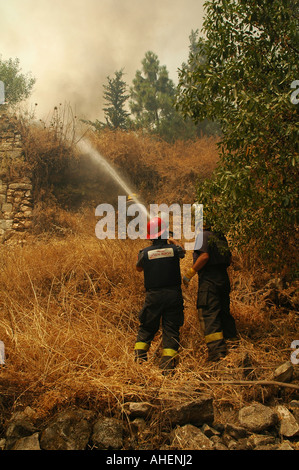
{"x":155,"y":228}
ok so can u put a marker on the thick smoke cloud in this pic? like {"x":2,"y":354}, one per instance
{"x":71,"y":46}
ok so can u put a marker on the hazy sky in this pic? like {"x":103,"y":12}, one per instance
{"x":71,"y":46}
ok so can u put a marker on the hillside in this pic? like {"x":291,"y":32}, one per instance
{"x":170,"y":171}
{"x":69,"y":308}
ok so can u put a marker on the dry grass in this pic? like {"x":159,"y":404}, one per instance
{"x":69,"y":305}
{"x":69,"y":316}
{"x":161,"y":172}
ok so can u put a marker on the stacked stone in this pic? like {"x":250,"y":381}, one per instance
{"x":15,"y":190}
{"x":15,"y":207}
{"x":10,"y":137}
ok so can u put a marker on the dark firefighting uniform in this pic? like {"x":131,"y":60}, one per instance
{"x":163,"y":300}
{"x":213,"y":297}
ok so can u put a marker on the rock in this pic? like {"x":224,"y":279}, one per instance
{"x":285,"y":445}
{"x":197,"y":412}
{"x":294,"y":404}
{"x":19,"y":426}
{"x":138,"y":410}
{"x":30,"y":412}
{"x":232,"y":443}
{"x":237,"y":432}
{"x":69,"y":430}
{"x":267,"y":447}
{"x":189,"y":437}
{"x":108,"y":434}
{"x":257,"y":417}
{"x":218,"y":443}
{"x":289,"y":426}
{"x":209,"y":431}
{"x":258,"y":440}
{"x":27,"y":443}
{"x":294,"y":407}
{"x":219,"y":446}
{"x":27,"y":186}
{"x":240,"y":444}
{"x":284,"y":373}
{"x":6,"y":207}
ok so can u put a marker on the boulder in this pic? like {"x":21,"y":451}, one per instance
{"x":108,"y":434}
{"x":2,"y":444}
{"x":288,"y":425}
{"x":237,"y":432}
{"x":259,"y":440}
{"x":284,"y":373}
{"x":285,"y":445}
{"x":27,"y":443}
{"x":189,"y":437}
{"x":19,"y":426}
{"x":257,"y":417}
{"x":197,"y":412}
{"x":209,"y":431}
{"x":138,"y":410}
{"x":69,"y":430}
{"x":294,"y":407}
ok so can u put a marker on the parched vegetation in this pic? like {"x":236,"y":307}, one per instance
{"x":69,"y":315}
{"x":69,"y":302}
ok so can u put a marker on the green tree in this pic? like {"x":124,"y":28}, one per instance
{"x":197,"y":49}
{"x":251,"y":51}
{"x":153,"y":101}
{"x":115,"y":96}
{"x":18,"y":86}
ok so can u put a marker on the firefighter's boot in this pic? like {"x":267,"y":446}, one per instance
{"x":141,"y":352}
{"x":168,"y":361}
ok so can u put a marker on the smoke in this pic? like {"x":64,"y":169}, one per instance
{"x":71,"y":46}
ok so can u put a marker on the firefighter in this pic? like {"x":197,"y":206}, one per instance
{"x":210,"y":262}
{"x":160,"y":264}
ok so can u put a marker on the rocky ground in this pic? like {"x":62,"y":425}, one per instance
{"x":189,"y":425}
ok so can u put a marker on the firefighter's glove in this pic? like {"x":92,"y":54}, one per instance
{"x":188,"y":276}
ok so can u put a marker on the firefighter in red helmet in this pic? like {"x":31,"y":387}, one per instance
{"x":160,"y":263}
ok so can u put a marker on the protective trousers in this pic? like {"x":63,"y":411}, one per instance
{"x":213,"y":303}
{"x":166,"y":304}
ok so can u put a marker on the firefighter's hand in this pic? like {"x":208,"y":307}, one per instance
{"x":188,"y":276}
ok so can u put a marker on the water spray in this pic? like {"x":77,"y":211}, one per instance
{"x":105,"y":228}
{"x":86,"y":147}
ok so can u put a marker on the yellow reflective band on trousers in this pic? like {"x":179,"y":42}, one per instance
{"x":169,"y":352}
{"x":214,"y":337}
{"x":140,"y":345}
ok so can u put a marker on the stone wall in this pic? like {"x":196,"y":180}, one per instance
{"x":15,"y":185}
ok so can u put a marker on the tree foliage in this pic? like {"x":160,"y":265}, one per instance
{"x":115,"y":97}
{"x":18,"y":86}
{"x":152,"y":93}
{"x":153,"y":101}
{"x":251,"y":51}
